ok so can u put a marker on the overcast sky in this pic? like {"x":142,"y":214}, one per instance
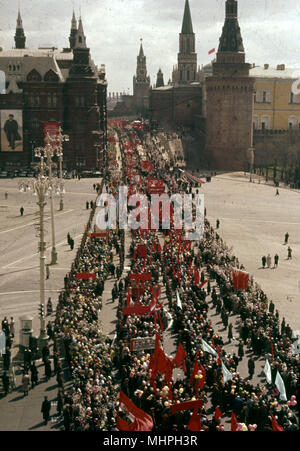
{"x":113,"y":28}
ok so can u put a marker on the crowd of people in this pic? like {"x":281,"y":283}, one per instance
{"x":196,"y":278}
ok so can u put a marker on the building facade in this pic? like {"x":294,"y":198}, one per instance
{"x":176,"y":104}
{"x":49,"y":85}
{"x":229,"y":100}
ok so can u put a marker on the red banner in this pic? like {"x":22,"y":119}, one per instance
{"x":51,"y":128}
{"x":240,"y":279}
{"x":187,"y":405}
{"x":85,"y":275}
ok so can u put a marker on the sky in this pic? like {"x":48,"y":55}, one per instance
{"x":113,"y":29}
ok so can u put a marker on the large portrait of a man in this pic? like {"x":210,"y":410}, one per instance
{"x":11,"y":131}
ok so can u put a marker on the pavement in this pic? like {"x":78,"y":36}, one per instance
{"x":253,"y":222}
{"x":19,"y":283}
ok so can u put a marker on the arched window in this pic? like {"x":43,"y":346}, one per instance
{"x":34,"y":75}
{"x":51,"y":76}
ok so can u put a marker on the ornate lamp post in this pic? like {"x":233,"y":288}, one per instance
{"x":48,"y":152}
{"x":41,"y":187}
{"x":57,"y":143}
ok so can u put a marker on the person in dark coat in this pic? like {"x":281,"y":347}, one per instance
{"x":276,"y":260}
{"x":5,"y":382}
{"x":45,"y":409}
{"x":34,"y":375}
{"x":230,"y":334}
{"x":241,"y":350}
{"x":45,"y":353}
{"x":264,"y":261}
{"x":251,"y":367}
{"x":48,"y":371}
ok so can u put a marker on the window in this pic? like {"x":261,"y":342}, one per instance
{"x":266,"y":96}
{"x":188,"y":75}
{"x":255,"y":122}
{"x":292,"y":122}
{"x":265,"y":123}
{"x":291,"y":97}
{"x":52,"y":99}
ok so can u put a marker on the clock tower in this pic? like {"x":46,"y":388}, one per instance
{"x":141,"y":83}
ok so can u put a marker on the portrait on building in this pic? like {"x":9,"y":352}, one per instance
{"x":11,"y":130}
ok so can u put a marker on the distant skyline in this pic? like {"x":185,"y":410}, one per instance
{"x":113,"y":28}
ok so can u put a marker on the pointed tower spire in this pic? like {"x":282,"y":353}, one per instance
{"x":187,"y":26}
{"x":160,"y":79}
{"x":231,"y":39}
{"x":141,"y":54}
{"x":73,"y":32}
{"x":80,"y":37}
{"x":74,"y":22}
{"x":186,"y":72}
{"x":20,"y":37}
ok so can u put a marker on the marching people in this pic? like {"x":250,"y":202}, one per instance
{"x":25,"y":383}
{"x":45,"y":409}
{"x":91,"y":358}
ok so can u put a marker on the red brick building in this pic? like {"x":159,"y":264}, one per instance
{"x":47,"y":85}
{"x":229,"y":100}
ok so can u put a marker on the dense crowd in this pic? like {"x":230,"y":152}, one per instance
{"x":195,"y":278}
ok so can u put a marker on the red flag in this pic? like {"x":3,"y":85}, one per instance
{"x":142,"y":421}
{"x":196,"y":276}
{"x":187,"y":405}
{"x":195,"y":421}
{"x":234,"y":422}
{"x":219,"y":354}
{"x":218,"y":413}
{"x":180,"y":357}
{"x":85,"y":275}
{"x":271,"y":343}
{"x":211,"y":51}
{"x":275,"y":426}
{"x":240,"y":279}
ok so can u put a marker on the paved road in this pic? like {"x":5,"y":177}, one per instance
{"x":19,"y":261}
{"x":254,"y":221}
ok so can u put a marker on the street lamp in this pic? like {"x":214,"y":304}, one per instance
{"x":57,"y":142}
{"x":48,"y":152}
{"x":41,"y":187}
